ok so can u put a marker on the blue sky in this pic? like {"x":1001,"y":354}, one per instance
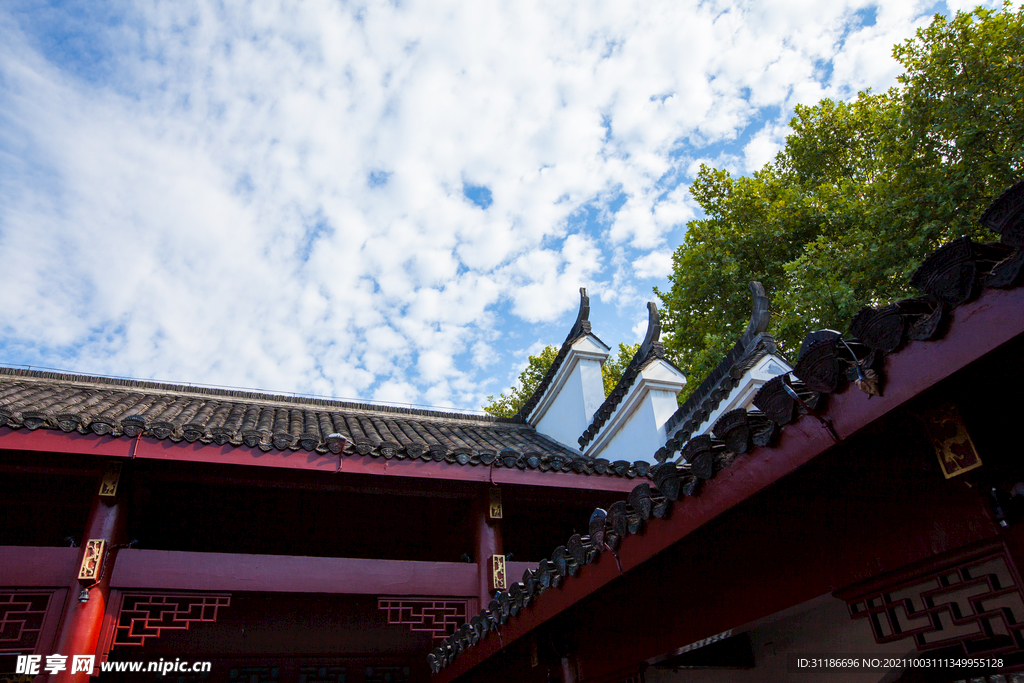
{"x":392,"y":201}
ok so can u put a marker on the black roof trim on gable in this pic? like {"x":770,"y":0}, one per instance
{"x":649,"y":350}
{"x":951,"y":276}
{"x":753,"y":345}
{"x":580,"y":328}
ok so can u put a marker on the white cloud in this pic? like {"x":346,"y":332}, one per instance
{"x":657,"y":264}
{"x":194,"y":200}
{"x":639,"y":330}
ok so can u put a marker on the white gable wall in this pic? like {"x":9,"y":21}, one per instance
{"x":574,"y":395}
{"x":742,"y":395}
{"x":636,"y":430}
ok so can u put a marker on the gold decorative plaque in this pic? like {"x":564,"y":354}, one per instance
{"x":494,"y":502}
{"x":952,"y":443}
{"x":498,"y":572}
{"x":92,"y":560}
{"x":108,"y":486}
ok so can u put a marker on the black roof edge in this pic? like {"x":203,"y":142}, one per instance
{"x":753,"y":342}
{"x":580,"y":328}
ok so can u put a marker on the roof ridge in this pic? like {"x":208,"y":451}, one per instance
{"x":247,"y":395}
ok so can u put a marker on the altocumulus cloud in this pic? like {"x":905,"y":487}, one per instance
{"x":378,"y":200}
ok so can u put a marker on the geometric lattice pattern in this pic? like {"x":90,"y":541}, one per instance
{"x":21,"y":619}
{"x":146,"y":615}
{"x":440,"y":617}
{"x":386,"y":674}
{"x":322,"y":674}
{"x":976,"y":605}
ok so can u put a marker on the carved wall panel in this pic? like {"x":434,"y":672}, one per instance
{"x":21,"y":619}
{"x":145,"y":616}
{"x":440,"y":617}
{"x":975,"y":604}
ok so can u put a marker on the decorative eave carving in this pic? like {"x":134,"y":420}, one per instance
{"x":1006,"y":216}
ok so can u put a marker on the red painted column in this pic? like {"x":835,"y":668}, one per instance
{"x":487,"y":542}
{"x":80,"y":628}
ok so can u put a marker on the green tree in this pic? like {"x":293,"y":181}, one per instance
{"x":861,"y":193}
{"x":537,"y":366}
{"x":611,"y":371}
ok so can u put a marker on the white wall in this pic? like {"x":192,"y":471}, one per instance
{"x":636,"y":430}
{"x":742,"y":395}
{"x":574,"y":395}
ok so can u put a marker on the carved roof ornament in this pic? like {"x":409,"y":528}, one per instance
{"x":653,"y":336}
{"x":582,"y":324}
{"x":580,"y":328}
{"x":760,"y":313}
{"x":1006,"y":216}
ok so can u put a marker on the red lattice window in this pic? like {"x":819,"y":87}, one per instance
{"x":976,"y":604}
{"x":148,"y":616}
{"x":439,"y":617}
{"x":21,"y":619}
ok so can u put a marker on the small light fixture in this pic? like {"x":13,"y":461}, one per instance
{"x":84,"y":595}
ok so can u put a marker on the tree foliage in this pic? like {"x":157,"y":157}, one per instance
{"x":537,"y":366}
{"x":611,"y":371}
{"x":861,"y":193}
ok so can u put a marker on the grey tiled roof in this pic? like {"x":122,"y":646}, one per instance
{"x":87,"y":404}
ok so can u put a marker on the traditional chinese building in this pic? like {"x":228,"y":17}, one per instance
{"x":282,"y":538}
{"x":863,"y":499}
{"x":864,"y":503}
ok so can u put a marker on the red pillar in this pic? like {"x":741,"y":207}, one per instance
{"x":80,"y":628}
{"x":487,"y":542}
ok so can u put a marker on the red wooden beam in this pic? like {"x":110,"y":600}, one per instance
{"x":179,"y":570}
{"x":36,"y":567}
{"x":53,"y":441}
{"x":975,"y":330}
